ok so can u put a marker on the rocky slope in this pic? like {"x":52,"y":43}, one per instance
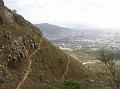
{"x":27,"y":59}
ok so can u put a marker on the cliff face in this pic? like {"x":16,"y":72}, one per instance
{"x":27,"y":58}
{"x":1,"y":4}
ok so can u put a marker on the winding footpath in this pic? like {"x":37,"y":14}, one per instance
{"x":28,"y":70}
{"x":67,"y":68}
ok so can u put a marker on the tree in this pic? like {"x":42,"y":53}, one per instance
{"x":112,"y":65}
{"x":14,"y":11}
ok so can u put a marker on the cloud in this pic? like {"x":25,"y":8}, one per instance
{"x":102,"y":13}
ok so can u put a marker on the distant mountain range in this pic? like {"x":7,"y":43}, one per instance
{"x":51,"y":29}
{"x":53,"y":32}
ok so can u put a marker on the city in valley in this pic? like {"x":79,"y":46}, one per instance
{"x":82,"y":39}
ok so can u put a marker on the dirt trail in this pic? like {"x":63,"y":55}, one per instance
{"x":66,"y":71}
{"x":84,"y":62}
{"x":28,"y":70}
{"x":90,"y":62}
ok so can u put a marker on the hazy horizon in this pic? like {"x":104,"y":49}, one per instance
{"x":82,"y":27}
{"x":92,"y":13}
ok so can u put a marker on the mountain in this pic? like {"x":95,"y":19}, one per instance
{"x":28,"y":60}
{"x":54,"y":32}
{"x":52,"y":28}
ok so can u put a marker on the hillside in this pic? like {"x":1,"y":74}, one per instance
{"x":27,"y":59}
{"x":54,"y":32}
{"x":60,"y":34}
{"x":52,"y":28}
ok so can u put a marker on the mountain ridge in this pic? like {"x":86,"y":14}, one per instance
{"x":54,"y":32}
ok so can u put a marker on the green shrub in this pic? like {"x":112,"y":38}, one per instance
{"x":74,"y":84}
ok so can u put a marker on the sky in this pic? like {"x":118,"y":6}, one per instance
{"x":94,"y":13}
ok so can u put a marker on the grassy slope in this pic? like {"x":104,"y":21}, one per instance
{"x":15,"y":31}
{"x":48,"y":64}
{"x":98,"y":70}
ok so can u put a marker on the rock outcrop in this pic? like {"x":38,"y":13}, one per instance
{"x":1,"y":4}
{"x":6,"y":16}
